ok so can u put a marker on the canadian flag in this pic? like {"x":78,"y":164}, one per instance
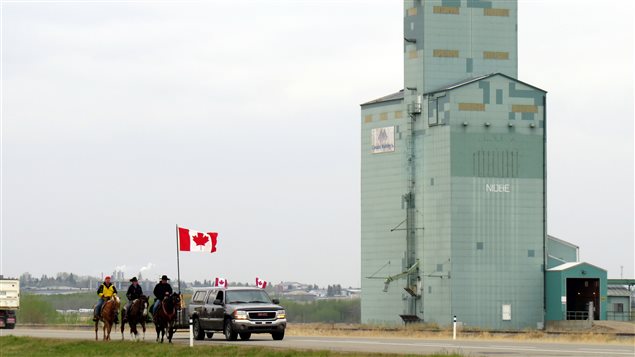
{"x":193,"y":241}
{"x":220,"y":282}
{"x":261,"y":283}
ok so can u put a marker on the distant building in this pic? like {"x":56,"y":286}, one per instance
{"x":619,"y":303}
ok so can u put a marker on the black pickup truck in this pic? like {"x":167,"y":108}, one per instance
{"x":236,"y":312}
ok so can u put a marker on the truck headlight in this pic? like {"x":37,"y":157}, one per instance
{"x":240,"y":315}
{"x":281,"y":314}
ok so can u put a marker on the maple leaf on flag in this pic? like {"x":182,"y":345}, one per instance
{"x":200,"y":239}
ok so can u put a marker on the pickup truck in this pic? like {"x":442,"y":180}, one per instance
{"x":236,"y":311}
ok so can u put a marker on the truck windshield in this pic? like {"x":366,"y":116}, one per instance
{"x":246,"y":296}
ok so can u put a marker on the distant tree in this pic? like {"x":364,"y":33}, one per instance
{"x":329,"y":291}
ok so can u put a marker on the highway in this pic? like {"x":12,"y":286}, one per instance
{"x":384,"y":345}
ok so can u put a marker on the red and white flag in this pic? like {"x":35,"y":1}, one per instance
{"x":193,"y":241}
{"x":261,"y":283}
{"x":220,"y":282}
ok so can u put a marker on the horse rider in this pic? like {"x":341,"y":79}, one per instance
{"x":161,"y":290}
{"x":134,"y":292}
{"x":106,"y":291}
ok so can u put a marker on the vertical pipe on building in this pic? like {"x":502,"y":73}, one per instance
{"x":544,"y":207}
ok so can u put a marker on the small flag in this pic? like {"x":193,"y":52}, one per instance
{"x":261,"y":283}
{"x":221,"y":282}
{"x":193,"y":241}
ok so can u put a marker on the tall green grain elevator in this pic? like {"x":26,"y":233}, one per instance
{"x":453,"y":176}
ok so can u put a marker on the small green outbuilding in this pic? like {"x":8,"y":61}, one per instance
{"x":574,"y":289}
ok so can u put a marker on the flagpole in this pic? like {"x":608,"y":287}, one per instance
{"x":178,"y":267}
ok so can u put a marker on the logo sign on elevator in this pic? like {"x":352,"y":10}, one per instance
{"x":382,"y":139}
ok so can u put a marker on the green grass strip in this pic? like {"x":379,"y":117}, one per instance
{"x":33,"y":347}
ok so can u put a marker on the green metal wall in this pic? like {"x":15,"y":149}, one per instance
{"x":450,"y":40}
{"x":482,"y":249}
{"x":383,"y":182}
{"x":559,"y":252}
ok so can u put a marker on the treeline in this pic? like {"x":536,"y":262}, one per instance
{"x":329,"y":311}
{"x":60,"y":279}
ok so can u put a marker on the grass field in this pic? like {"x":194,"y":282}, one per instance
{"x":431,"y":331}
{"x":33,"y":347}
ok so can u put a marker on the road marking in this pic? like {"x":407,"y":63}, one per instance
{"x":519,"y":347}
{"x":511,"y":348}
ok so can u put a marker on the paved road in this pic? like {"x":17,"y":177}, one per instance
{"x":384,"y":345}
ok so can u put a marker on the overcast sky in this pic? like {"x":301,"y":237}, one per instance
{"x":121,"y":120}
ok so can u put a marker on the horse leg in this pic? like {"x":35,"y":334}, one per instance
{"x":122,"y":328}
{"x":143,"y":326}
{"x":96,"y":327}
{"x":158,"y":331}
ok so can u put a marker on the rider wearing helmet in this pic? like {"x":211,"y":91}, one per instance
{"x":105,"y":292}
{"x":134,"y":292}
{"x":161,"y":290}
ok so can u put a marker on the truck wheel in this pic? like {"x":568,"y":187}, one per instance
{"x":199,"y":334}
{"x":278,"y":335}
{"x":228,"y":330}
{"x":11,"y":326}
{"x":209,"y":334}
{"x":245,"y":336}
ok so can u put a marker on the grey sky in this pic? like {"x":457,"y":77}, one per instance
{"x":120,"y":120}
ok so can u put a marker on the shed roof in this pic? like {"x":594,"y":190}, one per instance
{"x":567,"y":266}
{"x":394,"y":96}
{"x":617,"y":291}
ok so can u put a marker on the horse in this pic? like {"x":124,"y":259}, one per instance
{"x":109,"y":310}
{"x":165,"y":316}
{"x":136,"y":315}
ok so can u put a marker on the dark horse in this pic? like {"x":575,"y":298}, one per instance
{"x":136,"y":315}
{"x":108,"y":313}
{"x":165,"y":316}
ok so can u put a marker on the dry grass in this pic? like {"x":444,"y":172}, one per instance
{"x":432,"y":331}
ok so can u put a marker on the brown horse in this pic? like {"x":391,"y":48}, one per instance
{"x":165,"y":316}
{"x":108,"y":313}
{"x":136,"y":315}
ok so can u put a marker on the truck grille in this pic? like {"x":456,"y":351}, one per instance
{"x":262,"y":315}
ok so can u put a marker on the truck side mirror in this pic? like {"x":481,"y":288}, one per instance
{"x":275,"y":301}
{"x":218,"y":302}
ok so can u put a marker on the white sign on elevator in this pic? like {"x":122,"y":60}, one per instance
{"x":382,"y":139}
{"x":498,"y":187}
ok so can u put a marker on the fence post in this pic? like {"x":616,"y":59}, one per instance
{"x":454,"y":328}
{"x":191,"y":334}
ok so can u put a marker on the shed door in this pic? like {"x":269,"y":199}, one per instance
{"x":580,"y":293}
